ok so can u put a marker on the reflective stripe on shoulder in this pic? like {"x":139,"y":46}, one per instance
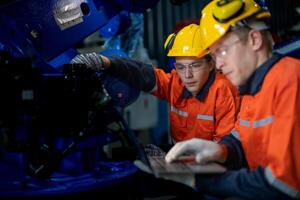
{"x":278,"y":184}
{"x":179,"y":112}
{"x":235,"y":134}
{"x":205,"y":117}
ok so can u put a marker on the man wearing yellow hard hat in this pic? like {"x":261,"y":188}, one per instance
{"x":203,"y":103}
{"x":262,"y":153}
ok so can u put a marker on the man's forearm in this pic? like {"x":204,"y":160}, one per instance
{"x":138,"y":74}
{"x":241,"y":183}
{"x":235,"y":157}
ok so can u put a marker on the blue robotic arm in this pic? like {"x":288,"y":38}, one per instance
{"x":45,"y":29}
{"x":48,"y":112}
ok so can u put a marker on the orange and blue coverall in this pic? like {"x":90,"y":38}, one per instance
{"x":265,"y":144}
{"x":210,"y":115}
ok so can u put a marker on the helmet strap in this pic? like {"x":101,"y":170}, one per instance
{"x":170,"y":43}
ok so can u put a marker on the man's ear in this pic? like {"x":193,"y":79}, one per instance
{"x":212,"y":65}
{"x":255,"y":39}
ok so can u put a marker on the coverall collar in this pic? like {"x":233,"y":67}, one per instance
{"x":254,"y":83}
{"x":204,"y":90}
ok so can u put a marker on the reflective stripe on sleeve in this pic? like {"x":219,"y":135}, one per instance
{"x":280,"y":185}
{"x":235,"y":134}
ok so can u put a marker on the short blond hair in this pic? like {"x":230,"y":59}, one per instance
{"x":242,"y":33}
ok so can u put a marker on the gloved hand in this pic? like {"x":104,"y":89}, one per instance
{"x":187,"y":179}
{"x":203,"y":150}
{"x":154,"y":151}
{"x":91,"y":60}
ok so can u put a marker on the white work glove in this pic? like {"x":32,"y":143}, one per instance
{"x":187,"y":179}
{"x":91,"y":60}
{"x":203,"y":150}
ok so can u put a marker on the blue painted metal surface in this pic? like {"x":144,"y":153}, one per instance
{"x":117,"y":25}
{"x":46,"y":32}
{"x":65,"y":184}
{"x":136,"y":6}
{"x":45,"y":29}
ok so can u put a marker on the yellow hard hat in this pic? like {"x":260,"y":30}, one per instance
{"x":187,"y":42}
{"x":220,"y":15}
